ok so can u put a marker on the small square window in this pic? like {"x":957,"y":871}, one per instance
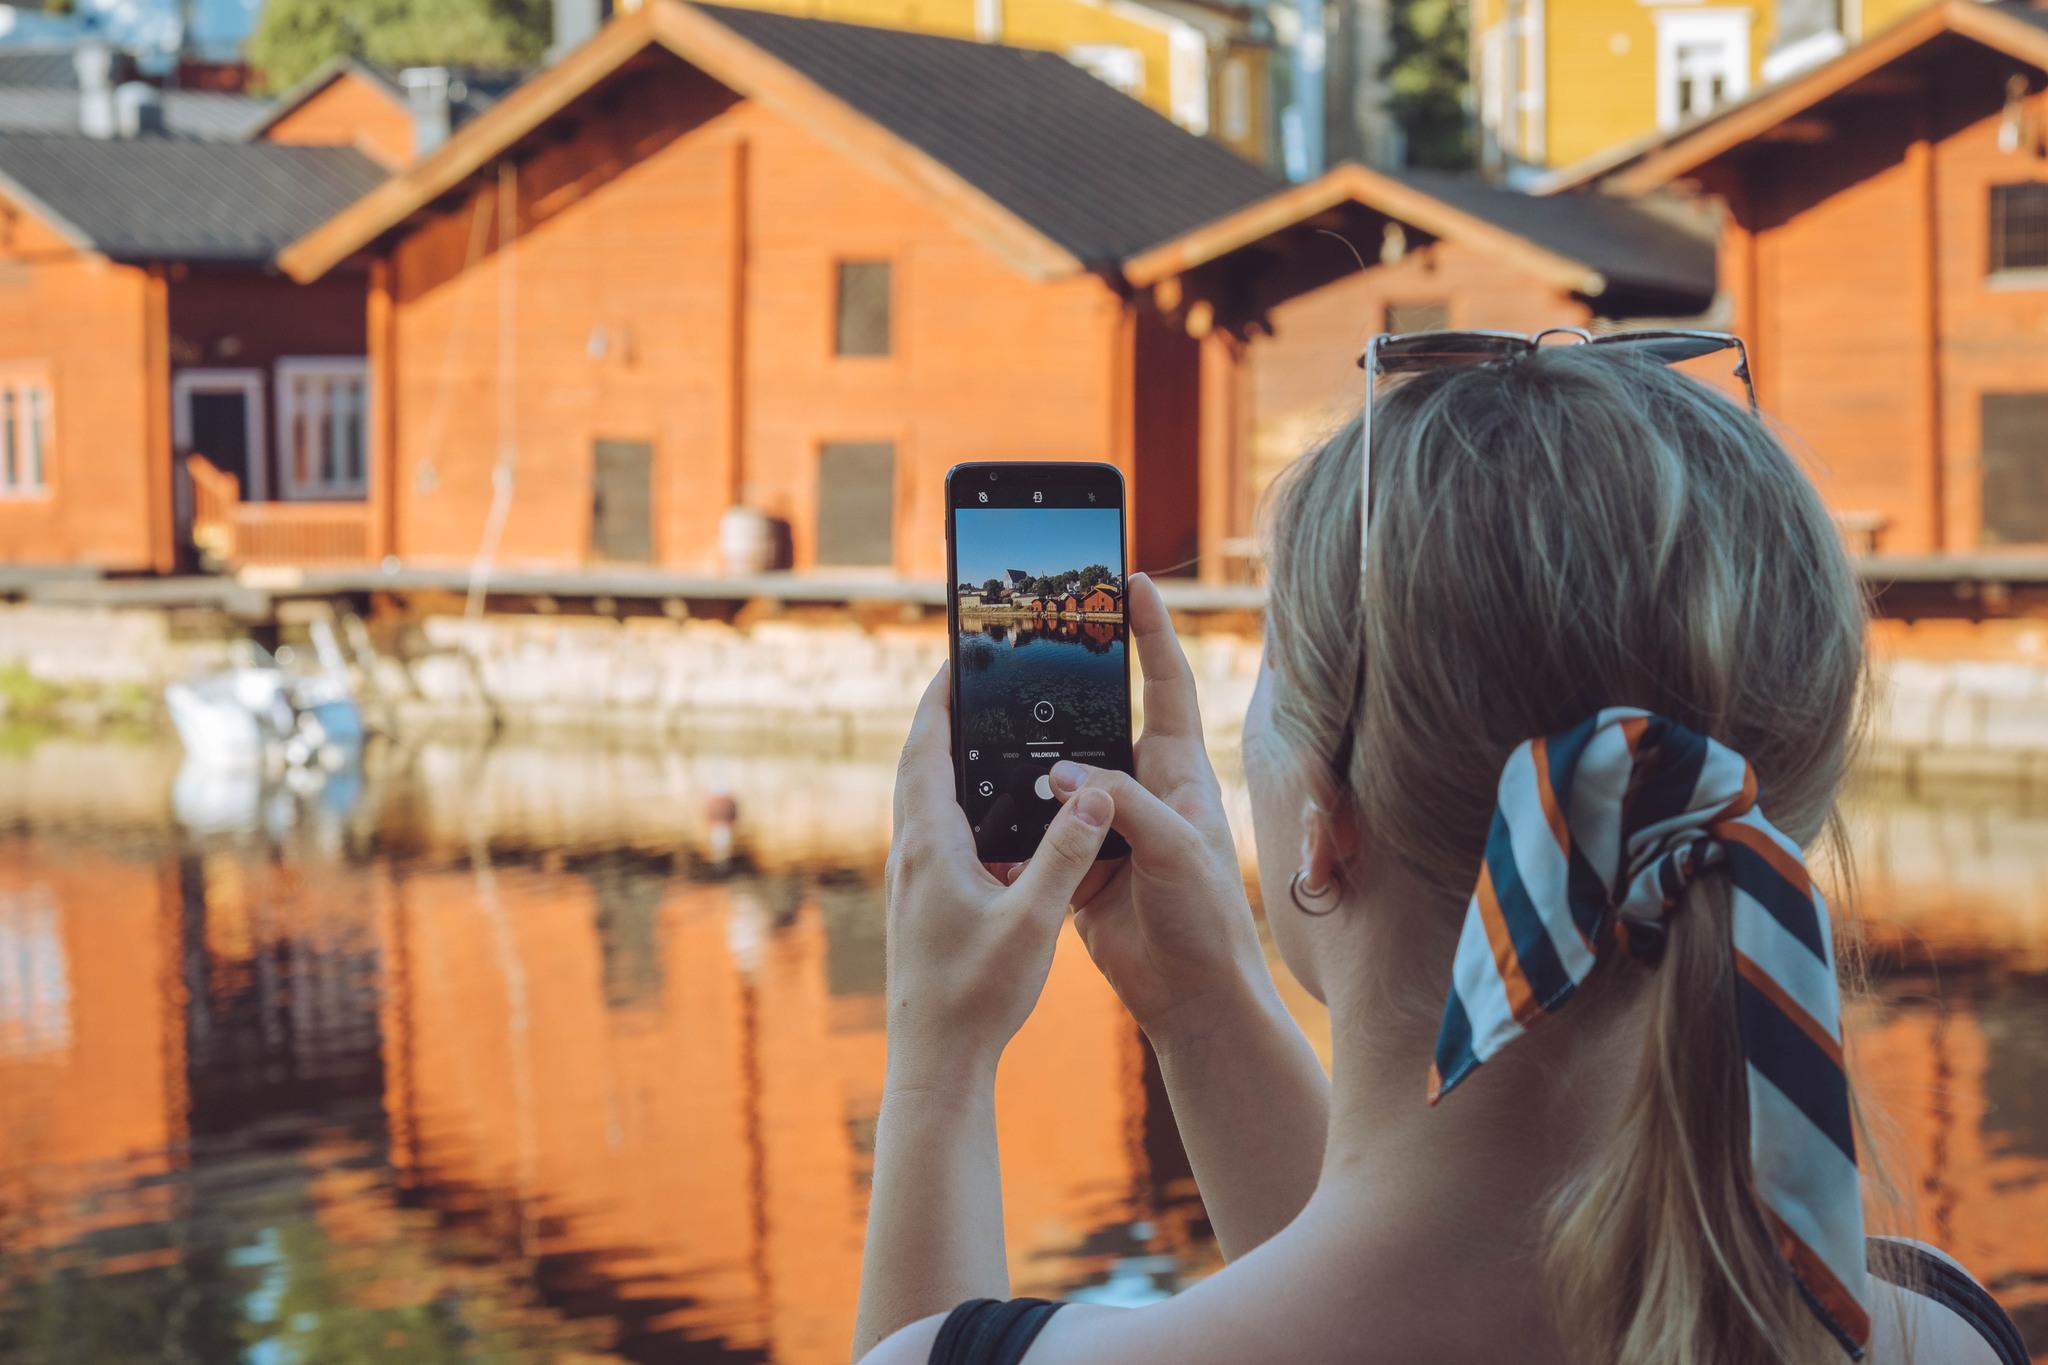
{"x":1418,"y":317}
{"x":862,"y":324}
{"x":2019,"y":226}
{"x":2014,"y":446}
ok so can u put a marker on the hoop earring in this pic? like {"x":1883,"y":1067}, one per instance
{"x":1301,"y":893}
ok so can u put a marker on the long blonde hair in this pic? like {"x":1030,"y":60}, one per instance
{"x":1553,"y":535}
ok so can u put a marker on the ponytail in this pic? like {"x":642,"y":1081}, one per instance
{"x":1659,"y":1253}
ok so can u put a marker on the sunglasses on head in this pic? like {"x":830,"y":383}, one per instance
{"x":1392,"y":354}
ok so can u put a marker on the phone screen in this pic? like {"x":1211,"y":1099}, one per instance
{"x":1041,"y":669}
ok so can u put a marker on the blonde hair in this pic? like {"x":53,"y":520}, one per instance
{"x":1552,"y":535}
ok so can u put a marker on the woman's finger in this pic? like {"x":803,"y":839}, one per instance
{"x":1170,"y":704}
{"x":1049,"y":881}
{"x":924,"y":775}
{"x":1141,"y":817}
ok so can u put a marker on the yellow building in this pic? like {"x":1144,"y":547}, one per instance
{"x":1205,"y":64}
{"x":1556,"y":81}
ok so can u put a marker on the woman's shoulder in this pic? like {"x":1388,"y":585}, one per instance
{"x":1928,"y":1308}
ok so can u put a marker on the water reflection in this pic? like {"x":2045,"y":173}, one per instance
{"x":504,"y":1059}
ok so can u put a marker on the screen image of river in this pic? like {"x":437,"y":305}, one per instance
{"x":1008,"y":667}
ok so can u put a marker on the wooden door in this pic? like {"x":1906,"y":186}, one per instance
{"x":622,"y":501}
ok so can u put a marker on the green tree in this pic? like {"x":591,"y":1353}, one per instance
{"x":293,"y":38}
{"x":1092,"y":574}
{"x":1427,"y":72}
{"x":992,"y":587}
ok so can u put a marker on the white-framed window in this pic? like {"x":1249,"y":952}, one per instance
{"x":1122,"y":67}
{"x":24,"y":436}
{"x":1237,"y":97}
{"x":323,"y":427}
{"x":1702,"y":62}
{"x":220,"y":414}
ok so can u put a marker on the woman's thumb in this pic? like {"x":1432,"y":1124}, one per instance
{"x":1067,"y":851}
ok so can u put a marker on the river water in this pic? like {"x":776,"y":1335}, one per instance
{"x":518,"y":1054}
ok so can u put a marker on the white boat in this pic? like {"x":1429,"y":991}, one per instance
{"x":257,"y":714}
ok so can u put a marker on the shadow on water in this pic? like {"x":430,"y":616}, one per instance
{"x":528,"y":1054}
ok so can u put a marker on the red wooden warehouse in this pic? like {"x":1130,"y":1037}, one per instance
{"x":1886,"y":253}
{"x":721,"y":258}
{"x":139,"y":314}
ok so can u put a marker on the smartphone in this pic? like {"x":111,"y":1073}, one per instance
{"x":1041,"y":657}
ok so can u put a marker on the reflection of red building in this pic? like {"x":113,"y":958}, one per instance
{"x":92,"y":1066}
{"x":665,"y":1088}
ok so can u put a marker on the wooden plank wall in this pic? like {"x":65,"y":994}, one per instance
{"x":1304,"y":381}
{"x":81,"y":323}
{"x":623,"y":324}
{"x":351,"y":111}
{"x":1858,"y":268}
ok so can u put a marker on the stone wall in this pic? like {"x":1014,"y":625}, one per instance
{"x":831,"y":685}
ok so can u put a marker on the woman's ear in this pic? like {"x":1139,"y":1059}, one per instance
{"x":1329,"y":843}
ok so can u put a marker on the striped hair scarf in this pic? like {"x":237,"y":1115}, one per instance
{"x":1597,"y":832}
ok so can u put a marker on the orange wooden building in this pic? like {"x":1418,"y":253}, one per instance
{"x":1283,"y":295}
{"x":394,"y":117}
{"x":1885,"y":252}
{"x":138,"y":313}
{"x":718,"y":258}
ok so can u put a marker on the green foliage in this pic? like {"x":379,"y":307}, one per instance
{"x":1091,"y":574}
{"x":1427,"y":72}
{"x":293,"y":38}
{"x":992,"y":587}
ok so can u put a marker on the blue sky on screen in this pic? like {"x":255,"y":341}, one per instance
{"x":1038,"y":540}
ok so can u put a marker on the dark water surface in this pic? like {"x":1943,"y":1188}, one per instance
{"x":508,"y":1055}
{"x":1006,"y":665}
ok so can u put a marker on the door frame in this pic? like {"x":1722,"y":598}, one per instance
{"x":250,"y":384}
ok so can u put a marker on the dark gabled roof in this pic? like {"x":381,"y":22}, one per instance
{"x":1629,"y":255}
{"x":213,"y":115}
{"x":1629,"y":245}
{"x":1091,"y":168}
{"x":161,"y":198}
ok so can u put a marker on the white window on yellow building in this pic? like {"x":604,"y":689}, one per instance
{"x":1122,"y":67}
{"x":1702,"y":62}
{"x":1237,"y":98}
{"x":1187,"y":72}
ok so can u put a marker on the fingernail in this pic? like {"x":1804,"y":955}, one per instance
{"x":1093,"y":807}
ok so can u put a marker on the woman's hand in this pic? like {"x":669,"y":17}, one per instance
{"x":1170,"y":926}
{"x":968,"y":951}
{"x":1172,"y":930}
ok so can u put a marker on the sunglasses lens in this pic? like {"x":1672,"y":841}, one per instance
{"x":1670,"y":348}
{"x":1435,"y":350}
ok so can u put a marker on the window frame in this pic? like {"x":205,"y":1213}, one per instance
{"x":247,"y":382}
{"x":1678,"y":27}
{"x":820,"y":448}
{"x":19,"y":382}
{"x":290,"y":369}
{"x":892,"y":348}
{"x":2010,"y":276}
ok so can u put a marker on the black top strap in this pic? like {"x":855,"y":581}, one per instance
{"x":991,"y":1332}
{"x":1914,"y":1268}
